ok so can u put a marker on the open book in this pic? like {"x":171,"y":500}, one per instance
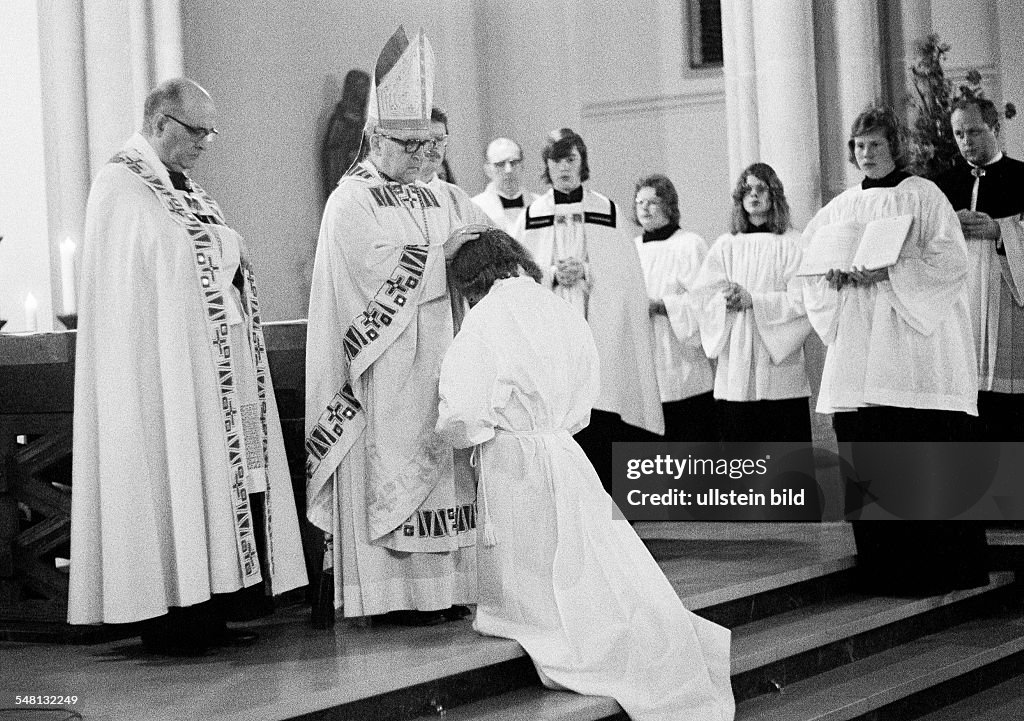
{"x":851,"y":244}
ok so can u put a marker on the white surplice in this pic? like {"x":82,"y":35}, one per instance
{"x":577,"y":589}
{"x":906,"y":341}
{"x":612,"y":297}
{"x":398,"y":501}
{"x":505,"y":218}
{"x":670,"y":270}
{"x":1001,"y":364}
{"x":760,"y":349}
{"x":169,"y":435}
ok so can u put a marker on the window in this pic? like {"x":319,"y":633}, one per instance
{"x":705,"y":33}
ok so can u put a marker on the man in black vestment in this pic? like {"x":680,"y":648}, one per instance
{"x":986,"y":189}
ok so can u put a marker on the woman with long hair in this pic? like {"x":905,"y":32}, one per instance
{"x":752,"y":316}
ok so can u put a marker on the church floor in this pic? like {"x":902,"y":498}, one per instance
{"x":297,"y":670}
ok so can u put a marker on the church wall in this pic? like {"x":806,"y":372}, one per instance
{"x":531,"y":72}
{"x":523,"y":69}
{"x":275,"y":71}
{"x":25,"y":252}
{"x":617,"y":74}
{"x":1010,"y":18}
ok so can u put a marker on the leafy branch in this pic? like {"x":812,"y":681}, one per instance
{"x":933,"y":148}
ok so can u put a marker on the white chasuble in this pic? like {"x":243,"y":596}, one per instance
{"x":906,"y":341}
{"x":398,"y":502}
{"x":612,"y":297}
{"x":175,"y":418}
{"x":576,"y":588}
{"x":760,"y":349}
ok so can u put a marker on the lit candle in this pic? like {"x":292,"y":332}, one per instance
{"x":67,"y":274}
{"x":31,"y":313}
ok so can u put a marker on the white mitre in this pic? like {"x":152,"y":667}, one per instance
{"x":402,"y":90}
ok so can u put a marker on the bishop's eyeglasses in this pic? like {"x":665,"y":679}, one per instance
{"x":411,"y":146}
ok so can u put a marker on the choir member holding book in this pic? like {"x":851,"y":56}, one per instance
{"x":900,"y":362}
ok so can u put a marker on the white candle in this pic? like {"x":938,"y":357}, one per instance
{"x":67,"y":274}
{"x":31,"y":313}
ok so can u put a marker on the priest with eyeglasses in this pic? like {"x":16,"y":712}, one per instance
{"x":392,"y":495}
{"x":183,"y":515}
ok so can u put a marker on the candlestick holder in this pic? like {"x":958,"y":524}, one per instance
{"x":70,"y":320}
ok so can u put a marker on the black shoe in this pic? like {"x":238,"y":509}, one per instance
{"x":411,"y":618}
{"x":236,"y":637}
{"x":456,"y":613}
{"x":178,"y":648}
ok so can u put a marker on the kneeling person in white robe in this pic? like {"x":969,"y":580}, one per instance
{"x":578,"y":590}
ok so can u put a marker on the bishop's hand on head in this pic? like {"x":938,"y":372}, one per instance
{"x":461,"y":236}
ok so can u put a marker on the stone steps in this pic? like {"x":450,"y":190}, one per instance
{"x":827,"y":688}
{"x":775,"y":652}
{"x":899,"y":674}
{"x":1001,"y":702}
{"x":540,"y":704}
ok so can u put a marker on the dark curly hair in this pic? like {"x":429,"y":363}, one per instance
{"x":878,"y":117}
{"x":559,"y":144}
{"x":666,"y":193}
{"x":988,"y":110}
{"x":493,"y":255}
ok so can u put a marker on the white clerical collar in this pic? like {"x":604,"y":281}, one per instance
{"x":996,"y":159}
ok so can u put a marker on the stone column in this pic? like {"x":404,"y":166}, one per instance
{"x":729,"y":60}
{"x":129,"y":46}
{"x":858,"y":66}
{"x":741,"y":80}
{"x":787,"y":100}
{"x":916,"y":22}
{"x":65,"y":133}
{"x":906,"y":22}
{"x":167,"y":44}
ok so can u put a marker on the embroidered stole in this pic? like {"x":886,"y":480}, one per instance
{"x":205,"y":255}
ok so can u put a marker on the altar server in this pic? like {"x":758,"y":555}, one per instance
{"x":900,"y":362}
{"x":576,"y":239}
{"x":752,"y":316}
{"x":671,"y":259}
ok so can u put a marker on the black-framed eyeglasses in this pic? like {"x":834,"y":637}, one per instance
{"x":411,"y":146}
{"x":197,"y":133}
